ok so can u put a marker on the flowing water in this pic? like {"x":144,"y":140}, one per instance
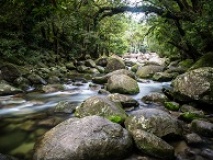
{"x":25,"y":117}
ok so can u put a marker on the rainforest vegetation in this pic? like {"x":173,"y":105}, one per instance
{"x":64,"y":29}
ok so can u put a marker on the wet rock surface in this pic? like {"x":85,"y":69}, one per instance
{"x":91,"y":137}
{"x":154,"y":121}
{"x":101,"y":106}
{"x":122,"y":84}
{"x":194,"y":85}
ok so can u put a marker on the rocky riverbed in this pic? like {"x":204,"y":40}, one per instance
{"x":107,"y":109}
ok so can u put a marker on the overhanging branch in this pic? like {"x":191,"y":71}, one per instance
{"x":110,"y":11}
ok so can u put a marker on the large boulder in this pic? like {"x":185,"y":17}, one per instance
{"x":9,"y":72}
{"x":194,"y":85}
{"x":122,"y":84}
{"x":102,"y":106}
{"x":154,"y":121}
{"x":104,"y":79}
{"x":152,"y":145}
{"x":91,"y":137}
{"x":7,"y":89}
{"x":148,"y":71}
{"x":115,"y":63}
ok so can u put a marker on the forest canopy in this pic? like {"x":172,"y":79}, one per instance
{"x":67,"y":28}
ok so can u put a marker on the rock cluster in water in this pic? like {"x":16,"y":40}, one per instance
{"x":172,"y":124}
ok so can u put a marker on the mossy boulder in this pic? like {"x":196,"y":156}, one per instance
{"x":148,"y":71}
{"x":190,"y":116}
{"x":122,"y":84}
{"x":9,"y":72}
{"x":187,"y":63}
{"x":204,"y":61}
{"x":104,"y":79}
{"x":102,"y":106}
{"x":36,"y":79}
{"x":90,"y":63}
{"x":173,"y":106}
{"x":154,"y":121}
{"x":114,"y":63}
{"x":92,"y":138}
{"x":164,"y":76}
{"x":135,"y":68}
{"x":194,"y":85}
{"x":70,"y":66}
{"x":7,"y":89}
{"x":152,"y":145}
{"x":22,"y":83}
{"x":102,"y":61}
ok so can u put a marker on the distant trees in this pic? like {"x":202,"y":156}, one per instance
{"x":183,"y":28}
{"x":185,"y":25}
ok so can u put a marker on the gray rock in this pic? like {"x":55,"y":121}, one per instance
{"x":70,"y":66}
{"x":91,"y":137}
{"x":188,"y":108}
{"x":22,"y":83}
{"x":164,"y":76}
{"x":83,"y":69}
{"x":125,"y":100}
{"x":193,"y":138}
{"x":154,"y":121}
{"x":36,"y":79}
{"x":104,"y":79}
{"x":90,"y":63}
{"x":6,"y":157}
{"x":148,"y":71}
{"x":52,"y":88}
{"x":202,"y":127}
{"x":102,"y":61}
{"x":7,"y":89}
{"x":152,"y":145}
{"x":100,"y":69}
{"x":9,"y":72}
{"x":122,"y":84}
{"x":102,"y":106}
{"x":194,"y":85}
{"x":155,"y":97}
{"x":207,"y":153}
{"x":65,"y":107}
{"x":114,"y":63}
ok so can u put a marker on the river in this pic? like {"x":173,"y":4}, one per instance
{"x":25,"y":117}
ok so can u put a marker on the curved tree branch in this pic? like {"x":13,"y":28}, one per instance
{"x":110,"y":11}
